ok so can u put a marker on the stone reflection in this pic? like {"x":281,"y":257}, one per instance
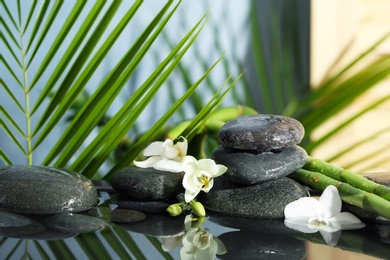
{"x":247,"y":244}
{"x":47,"y":227}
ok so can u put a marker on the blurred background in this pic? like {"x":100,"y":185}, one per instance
{"x":325,"y":64}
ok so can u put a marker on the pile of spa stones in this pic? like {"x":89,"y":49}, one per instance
{"x":259,"y":151}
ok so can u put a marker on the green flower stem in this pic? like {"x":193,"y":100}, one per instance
{"x":349,"y":194}
{"x":347,"y":176}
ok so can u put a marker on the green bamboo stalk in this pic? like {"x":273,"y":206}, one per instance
{"x":347,"y":176}
{"x":349,"y":194}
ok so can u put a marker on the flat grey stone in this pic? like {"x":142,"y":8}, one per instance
{"x":147,"y":183}
{"x":45,"y":190}
{"x":252,"y":168}
{"x":245,"y":244}
{"x":126,"y":216}
{"x":157,"y":206}
{"x":266,"y":200}
{"x":9,"y":219}
{"x":261,"y":133}
{"x":74,"y":223}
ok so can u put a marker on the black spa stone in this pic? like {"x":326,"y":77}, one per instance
{"x":147,"y":183}
{"x":266,"y":200}
{"x":45,"y":190}
{"x":74,"y":223}
{"x":261,"y":133}
{"x":250,"y":168}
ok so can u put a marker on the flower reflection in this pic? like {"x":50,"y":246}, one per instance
{"x":196,"y":242}
{"x":309,"y":215}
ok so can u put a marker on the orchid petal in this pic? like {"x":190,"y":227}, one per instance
{"x":330,"y":202}
{"x":301,"y":210}
{"x":209,"y":185}
{"x":169,"y":243}
{"x":221,"y":249}
{"x":148,"y":163}
{"x":182,"y":147}
{"x":206,"y":164}
{"x":189,"y":182}
{"x":171,"y":153}
{"x":168,"y":165}
{"x":190,"y":195}
{"x":300,"y":226}
{"x":345,"y":221}
{"x":331,"y":238}
{"x":220,"y":169}
{"x":155,"y":148}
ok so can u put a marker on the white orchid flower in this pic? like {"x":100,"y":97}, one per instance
{"x":310,"y":215}
{"x":198,"y":175}
{"x":164,"y":156}
{"x":199,"y":243}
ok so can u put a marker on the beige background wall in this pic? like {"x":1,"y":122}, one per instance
{"x":350,"y":27}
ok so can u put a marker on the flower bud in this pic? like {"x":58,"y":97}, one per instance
{"x":198,"y":209}
{"x":174,"y":210}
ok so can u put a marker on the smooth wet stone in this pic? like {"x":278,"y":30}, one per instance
{"x":45,"y":190}
{"x":75,"y":223}
{"x":245,"y":244}
{"x":157,"y":225}
{"x":147,"y":183}
{"x":157,"y":206}
{"x":266,"y":200}
{"x":126,"y":216}
{"x":9,"y":219}
{"x":252,"y":168}
{"x":261,"y":133}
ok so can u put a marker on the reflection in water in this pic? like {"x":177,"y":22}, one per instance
{"x":196,"y":242}
{"x":59,"y":236}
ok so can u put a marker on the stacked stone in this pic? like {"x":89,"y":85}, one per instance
{"x":259,"y":151}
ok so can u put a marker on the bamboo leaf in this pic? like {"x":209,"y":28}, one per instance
{"x":342,"y":125}
{"x":114,"y":139}
{"x":92,"y":246}
{"x":111,"y":128}
{"x":96,"y":106}
{"x":10,"y":16}
{"x":149,"y":135}
{"x":81,"y":81}
{"x":42,"y":252}
{"x":358,"y":143}
{"x":7,"y":44}
{"x":12,"y":96}
{"x":11,"y":121}
{"x":12,"y":136}
{"x":65,"y":28}
{"x":157,"y":244}
{"x":116,"y":244}
{"x":11,"y":71}
{"x":80,"y":61}
{"x":9,"y":33}
{"x":126,"y":238}
{"x":30,"y":14}
{"x":67,"y":57}
{"x":38,"y":23}
{"x":60,"y":249}
{"x":5,"y":158}
{"x":49,"y":21}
